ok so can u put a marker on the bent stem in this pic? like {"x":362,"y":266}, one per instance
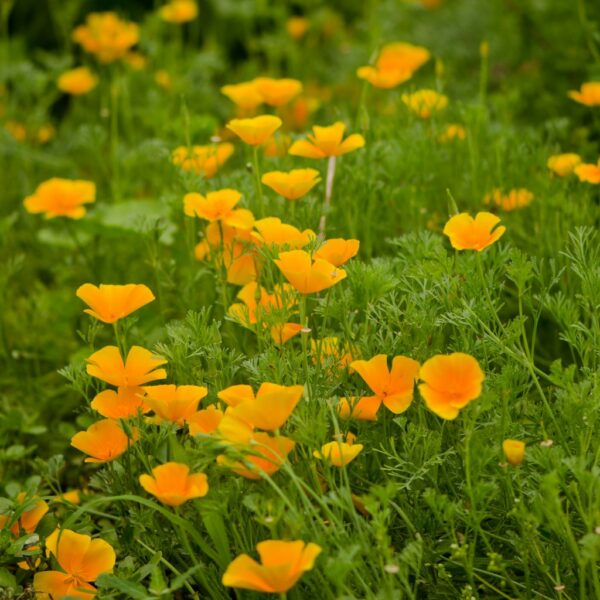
{"x":257,"y":184}
{"x":328,"y":193}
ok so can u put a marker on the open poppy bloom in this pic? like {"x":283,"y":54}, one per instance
{"x":102,"y":442}
{"x":257,"y":303}
{"x":173,"y":484}
{"x":125,"y":403}
{"x":564,"y":164}
{"x":514,"y":451}
{"x":424,"y":103}
{"x":77,"y":81}
{"x":28,"y":519}
{"x":330,"y":350}
{"x":588,"y":172}
{"x":82,"y":561}
{"x":273,"y":232}
{"x":236,"y":394}
{"x":294,"y":184}
{"x":109,"y":303}
{"x":58,"y":197}
{"x":244,"y":95}
{"x":217,"y":206}
{"x":326,"y":142}
{"x":589,"y":94}
{"x":450,"y":382}
{"x":139,"y":368}
{"x":509,"y":201}
{"x":255,"y":131}
{"x":395,"y":387}
{"x":202,"y":160}
{"x":205,"y":421}
{"x":468,"y":233}
{"x":338,"y":251}
{"x":283,"y":332}
{"x":306,"y":276}
{"x":277,"y":92}
{"x":179,"y":11}
{"x":174,"y":403}
{"x":362,"y":409}
{"x":281,"y":566}
{"x":339,"y":453}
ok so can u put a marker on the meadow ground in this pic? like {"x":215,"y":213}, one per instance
{"x":300,"y":299}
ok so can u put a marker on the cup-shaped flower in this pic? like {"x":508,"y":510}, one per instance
{"x":77,"y":82}
{"x":509,"y":201}
{"x":102,"y":442}
{"x":382,"y":79}
{"x":173,"y":484}
{"x":589,"y":173}
{"x":255,"y":131}
{"x":395,"y":387}
{"x":58,"y":197}
{"x":174,"y":403}
{"x":179,"y":11}
{"x":82,"y":561}
{"x":424,"y":103}
{"x":514,"y":451}
{"x":362,"y":409}
{"x":202,"y":160}
{"x":468,"y":233}
{"x":140,"y":367}
{"x":109,"y":303}
{"x":236,"y":394}
{"x":338,"y":453}
{"x":326,"y":142}
{"x":273,"y":232}
{"x":281,"y":566}
{"x":244,"y":95}
{"x":30,"y":509}
{"x":205,"y":421}
{"x":306,"y":275}
{"x":450,"y":382}
{"x":124,"y":403}
{"x":293,"y":184}
{"x":215,"y":206}
{"x":277,"y":92}
{"x":589,"y":94}
{"x":338,"y":251}
{"x":564,"y":164}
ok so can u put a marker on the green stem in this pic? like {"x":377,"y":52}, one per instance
{"x":257,"y":183}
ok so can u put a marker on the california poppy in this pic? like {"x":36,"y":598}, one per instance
{"x":588,"y":172}
{"x":245,"y":95}
{"x":326,"y":142}
{"x":124,"y":403}
{"x":273,"y":232}
{"x":255,"y":131}
{"x":514,"y":451}
{"x":294,"y":184}
{"x":205,"y":421}
{"x":102,"y":442}
{"x":109,"y":303}
{"x":306,"y":276}
{"x":589,"y":94}
{"x":179,"y":11}
{"x":468,"y":233}
{"x":338,"y":251}
{"x":174,"y":403}
{"x":564,"y":164}
{"x":28,"y":519}
{"x":202,"y":160}
{"x":173,"y":484}
{"x":77,"y":82}
{"x":424,"y":103}
{"x":58,"y":197}
{"x":339,"y":453}
{"x":362,"y":408}
{"x":509,"y":201}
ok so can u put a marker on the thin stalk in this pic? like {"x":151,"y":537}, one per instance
{"x":257,"y":183}
{"x":328,"y":193}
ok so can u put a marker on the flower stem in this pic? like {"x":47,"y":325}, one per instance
{"x":257,"y":184}
{"x":328,"y":193}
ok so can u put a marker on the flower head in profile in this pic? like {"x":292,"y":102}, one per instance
{"x":58,"y":197}
{"x":245,"y":95}
{"x":109,"y":303}
{"x":514,"y":451}
{"x":102,"y":442}
{"x":281,"y":566}
{"x":338,"y":251}
{"x":468,"y":233}
{"x":294,"y":184}
{"x":77,"y":82}
{"x":394,"y":387}
{"x":449,"y":383}
{"x":29,"y":512}
{"x":82,"y":561}
{"x":424,"y":103}
{"x":331,"y":351}
{"x":564,"y":164}
{"x":179,"y":11}
{"x":174,"y":403}
{"x":360,"y":408}
{"x":202,"y":160}
{"x":124,"y":403}
{"x":589,"y":173}
{"x":509,"y":201}
{"x":306,"y":275}
{"x":140,"y":367}
{"x":277,"y":92}
{"x":589,"y":94}
{"x":218,"y":206}
{"x":272,"y":232}
{"x":255,"y":131}
{"x":325,"y":142}
{"x":173,"y":484}
{"x":205,"y":421}
{"x":339,"y":453}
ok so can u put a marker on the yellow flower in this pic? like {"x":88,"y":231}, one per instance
{"x":294,"y":184}
{"x":514,"y":451}
{"x":512,"y":200}
{"x":103,"y":441}
{"x":588,"y":172}
{"x":297,"y":26}
{"x":468,"y":233}
{"x":306,"y":276}
{"x":174,"y":403}
{"x":77,"y":81}
{"x":564,"y":164}
{"x":425,"y":102}
{"x":339,"y":453}
{"x":179,"y":11}
{"x":277,"y":92}
{"x":218,"y":206}
{"x":202,"y":160}
{"x":109,"y":303}
{"x":588,"y":95}
{"x":61,"y":198}
{"x":255,"y":131}
{"x":326,"y":142}
{"x":163,"y":79}
{"x":452,"y":132}
{"x":173,"y":484}
{"x":338,"y":251}
{"x":245,"y":95}
{"x":272,"y":232}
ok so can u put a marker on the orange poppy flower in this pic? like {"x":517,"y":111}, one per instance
{"x":174,"y":403}
{"x":297,"y":27}
{"x":512,"y":200}
{"x":255,"y":131}
{"x":125,"y":403}
{"x":450,"y":382}
{"x":103,"y":441}
{"x":339,"y":453}
{"x":139,"y":368}
{"x":564,"y":164}
{"x":382,"y":79}
{"x":273,"y":232}
{"x":109,"y":303}
{"x":202,"y":160}
{"x":205,"y":421}
{"x":452,"y":132}
{"x":329,"y":349}
{"x":588,"y":95}
{"x":58,"y":197}
{"x":281,"y":566}
{"x":82,"y":561}
{"x":215,"y":206}
{"x":514,"y":451}
{"x":27,"y":520}
{"x":173,"y":484}
{"x":306,"y":276}
{"x":283,"y":332}
{"x":257,"y":303}
{"x":338,"y":251}
{"x":326,"y":142}
{"x":277,"y":92}
{"x":179,"y":11}
{"x":236,"y":394}
{"x":245,"y":95}
{"x":468,"y":233}
{"x":77,"y":81}
{"x":361,"y":409}
{"x":395,"y":387}
{"x":588,"y":172}
{"x":425,"y":103}
{"x":292,"y":185}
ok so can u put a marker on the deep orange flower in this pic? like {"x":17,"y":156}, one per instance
{"x":283,"y":332}
{"x":564,"y":164}
{"x":277,"y":92}
{"x":273,"y":232}
{"x":588,"y":95}
{"x":281,"y":566}
{"x":258,"y":303}
{"x":326,"y":142}
{"x":514,"y":451}
{"x":82,"y":560}
{"x":77,"y":81}
{"x":468,"y":233}
{"x":255,"y":131}
{"x":109,"y":303}
{"x":395,"y":387}
{"x":245,"y":95}
{"x":125,"y":403}
{"x":306,"y":276}
{"x":236,"y":394}
{"x":297,"y":26}
{"x":173,"y":484}
{"x":338,"y":251}
{"x":103,"y":441}
{"x":179,"y":11}
{"x":28,"y":519}
{"x":450,"y":382}
{"x":202,"y":160}
{"x":361,"y":409}
{"x":292,"y":185}
{"x":425,"y":103}
{"x":588,"y":172}
{"x":58,"y":197}
{"x":509,"y":201}
{"x":174,"y":403}
{"x":339,"y":453}
{"x":216,"y":206}
{"x":205,"y":421}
